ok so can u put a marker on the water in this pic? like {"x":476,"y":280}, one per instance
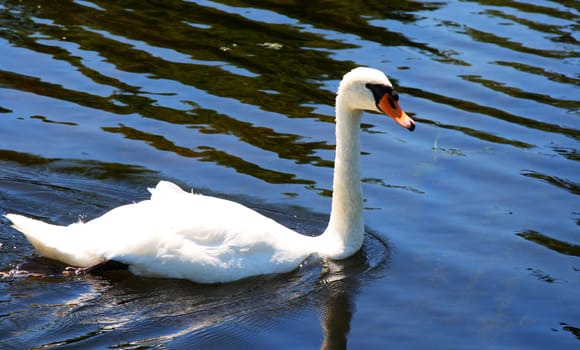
{"x":473,"y":219}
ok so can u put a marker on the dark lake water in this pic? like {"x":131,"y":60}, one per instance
{"x":473,"y":220}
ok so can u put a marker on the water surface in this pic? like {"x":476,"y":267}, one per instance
{"x":473,"y":220}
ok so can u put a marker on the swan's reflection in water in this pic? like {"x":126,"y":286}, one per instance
{"x":336,"y":313}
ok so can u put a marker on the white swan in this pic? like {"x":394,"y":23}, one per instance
{"x":177,"y":234}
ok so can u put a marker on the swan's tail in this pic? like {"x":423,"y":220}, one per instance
{"x":51,"y":241}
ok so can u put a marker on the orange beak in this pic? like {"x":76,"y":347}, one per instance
{"x":391,"y":108}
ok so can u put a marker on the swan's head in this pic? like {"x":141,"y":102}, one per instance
{"x":369,"y":89}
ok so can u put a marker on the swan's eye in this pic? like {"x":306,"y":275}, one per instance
{"x":380,"y":90}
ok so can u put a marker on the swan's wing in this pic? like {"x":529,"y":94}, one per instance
{"x":203,"y":220}
{"x":206,"y":239}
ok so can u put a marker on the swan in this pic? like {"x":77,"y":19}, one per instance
{"x":177,"y":234}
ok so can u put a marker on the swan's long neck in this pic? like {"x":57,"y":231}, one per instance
{"x":345,"y":233}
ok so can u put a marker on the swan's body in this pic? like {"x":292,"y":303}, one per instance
{"x":177,"y":234}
